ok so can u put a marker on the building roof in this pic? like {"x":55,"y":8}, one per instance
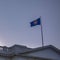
{"x":15,"y":49}
{"x":18,"y":49}
{"x":29,"y":50}
{"x":43,"y":48}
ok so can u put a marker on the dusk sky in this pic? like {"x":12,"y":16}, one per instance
{"x":15,"y":18}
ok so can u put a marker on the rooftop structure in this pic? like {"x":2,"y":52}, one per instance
{"x":19,"y":52}
{"x":15,"y":49}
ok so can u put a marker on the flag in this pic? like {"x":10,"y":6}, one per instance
{"x":35,"y":22}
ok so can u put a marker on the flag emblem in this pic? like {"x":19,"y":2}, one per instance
{"x":35,"y":22}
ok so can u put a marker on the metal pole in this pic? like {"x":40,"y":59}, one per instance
{"x":41,"y":32}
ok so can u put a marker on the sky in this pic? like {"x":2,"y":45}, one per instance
{"x":15,"y":18}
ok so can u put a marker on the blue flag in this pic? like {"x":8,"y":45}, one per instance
{"x":35,"y":22}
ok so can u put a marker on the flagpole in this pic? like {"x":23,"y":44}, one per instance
{"x":42,"y":33}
